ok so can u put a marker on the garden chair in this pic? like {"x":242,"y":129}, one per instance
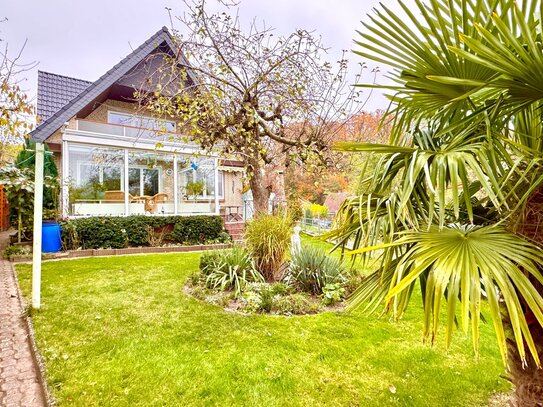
{"x":152,"y":202}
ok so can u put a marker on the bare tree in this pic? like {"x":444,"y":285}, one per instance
{"x":266,"y":99}
{"x":14,"y":104}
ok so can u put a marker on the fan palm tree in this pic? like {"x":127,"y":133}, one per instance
{"x":455,"y":205}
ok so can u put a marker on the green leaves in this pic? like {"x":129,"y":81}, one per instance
{"x":512,"y":50}
{"x":428,"y":78}
{"x":231,"y":269}
{"x":464,"y":164}
{"x":463,"y":265}
{"x":436,"y":174}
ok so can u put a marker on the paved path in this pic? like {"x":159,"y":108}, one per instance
{"x":19,"y":383}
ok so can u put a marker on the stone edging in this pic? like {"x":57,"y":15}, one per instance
{"x":72,"y":254}
{"x":31,"y":339}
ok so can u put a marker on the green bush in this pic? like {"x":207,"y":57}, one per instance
{"x":207,"y":260}
{"x":332,"y":293}
{"x":260,"y":296}
{"x":312,"y":268}
{"x":268,"y":240}
{"x":119,"y":232}
{"x":231,"y":270}
{"x":252,"y":301}
{"x":197,"y":229}
{"x":16,"y":250}
{"x":294,"y":304}
{"x":70,"y":236}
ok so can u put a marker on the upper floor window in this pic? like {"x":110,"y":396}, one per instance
{"x":141,"y":122}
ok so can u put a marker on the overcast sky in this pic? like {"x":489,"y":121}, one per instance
{"x":84,"y":39}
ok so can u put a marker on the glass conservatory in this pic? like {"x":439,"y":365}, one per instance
{"x":136,"y":178}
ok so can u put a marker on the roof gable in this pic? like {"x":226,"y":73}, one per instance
{"x":97,"y":88}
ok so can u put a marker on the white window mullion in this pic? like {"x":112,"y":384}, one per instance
{"x":175,"y":186}
{"x":216,"y":175}
{"x":142,"y":189}
{"x":125,"y":183}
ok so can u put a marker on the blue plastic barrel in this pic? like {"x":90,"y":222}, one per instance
{"x":50,"y":237}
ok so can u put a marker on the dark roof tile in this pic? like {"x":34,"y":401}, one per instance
{"x":55,"y":91}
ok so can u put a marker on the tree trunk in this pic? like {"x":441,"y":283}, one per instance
{"x":19,"y":228}
{"x":259,"y":189}
{"x":279,"y":189}
{"x":528,"y":379}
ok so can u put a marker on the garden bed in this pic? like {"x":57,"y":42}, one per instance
{"x":263,"y":277}
{"x":264,"y":298}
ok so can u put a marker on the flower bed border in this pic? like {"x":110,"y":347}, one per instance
{"x":74,"y":254}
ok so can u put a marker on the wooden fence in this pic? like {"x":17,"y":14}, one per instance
{"x":4,"y":210}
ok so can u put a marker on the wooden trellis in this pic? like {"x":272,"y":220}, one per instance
{"x":4,"y":210}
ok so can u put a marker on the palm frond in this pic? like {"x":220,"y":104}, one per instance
{"x":429,"y":80}
{"x":462,"y":265}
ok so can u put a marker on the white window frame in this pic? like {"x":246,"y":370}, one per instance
{"x":141,"y":168}
{"x":205,"y":196}
{"x":100,"y":173}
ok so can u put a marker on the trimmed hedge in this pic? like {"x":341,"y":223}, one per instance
{"x":120,"y":232}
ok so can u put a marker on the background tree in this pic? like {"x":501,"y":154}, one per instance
{"x":455,"y":203}
{"x":14,"y":104}
{"x":314,"y":184}
{"x":253,"y":83}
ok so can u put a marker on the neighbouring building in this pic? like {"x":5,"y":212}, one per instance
{"x":114,"y":161}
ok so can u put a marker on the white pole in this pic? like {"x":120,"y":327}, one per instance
{"x":216,"y":174}
{"x":126,"y":186}
{"x":38,"y":206}
{"x":65,"y":176}
{"x":175,"y":186}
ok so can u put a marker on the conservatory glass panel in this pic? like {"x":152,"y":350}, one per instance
{"x":151,"y":182}
{"x":196,"y":184}
{"x":96,"y":180}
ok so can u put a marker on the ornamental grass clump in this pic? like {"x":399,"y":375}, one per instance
{"x":268,"y":240}
{"x":311,"y":269}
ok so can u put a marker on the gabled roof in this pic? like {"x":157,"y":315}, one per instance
{"x":95,"y":89}
{"x":55,"y":91}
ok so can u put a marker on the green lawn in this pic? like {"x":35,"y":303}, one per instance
{"x":120,"y":332}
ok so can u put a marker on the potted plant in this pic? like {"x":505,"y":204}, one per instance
{"x":195,"y":189}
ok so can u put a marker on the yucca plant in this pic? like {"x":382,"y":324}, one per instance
{"x":455,"y":203}
{"x":312,"y":268}
{"x":268,"y":240}
{"x":231,"y":270}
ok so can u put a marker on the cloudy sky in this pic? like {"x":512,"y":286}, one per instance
{"x":83,"y":39}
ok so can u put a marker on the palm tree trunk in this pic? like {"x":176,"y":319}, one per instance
{"x":527,"y":378}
